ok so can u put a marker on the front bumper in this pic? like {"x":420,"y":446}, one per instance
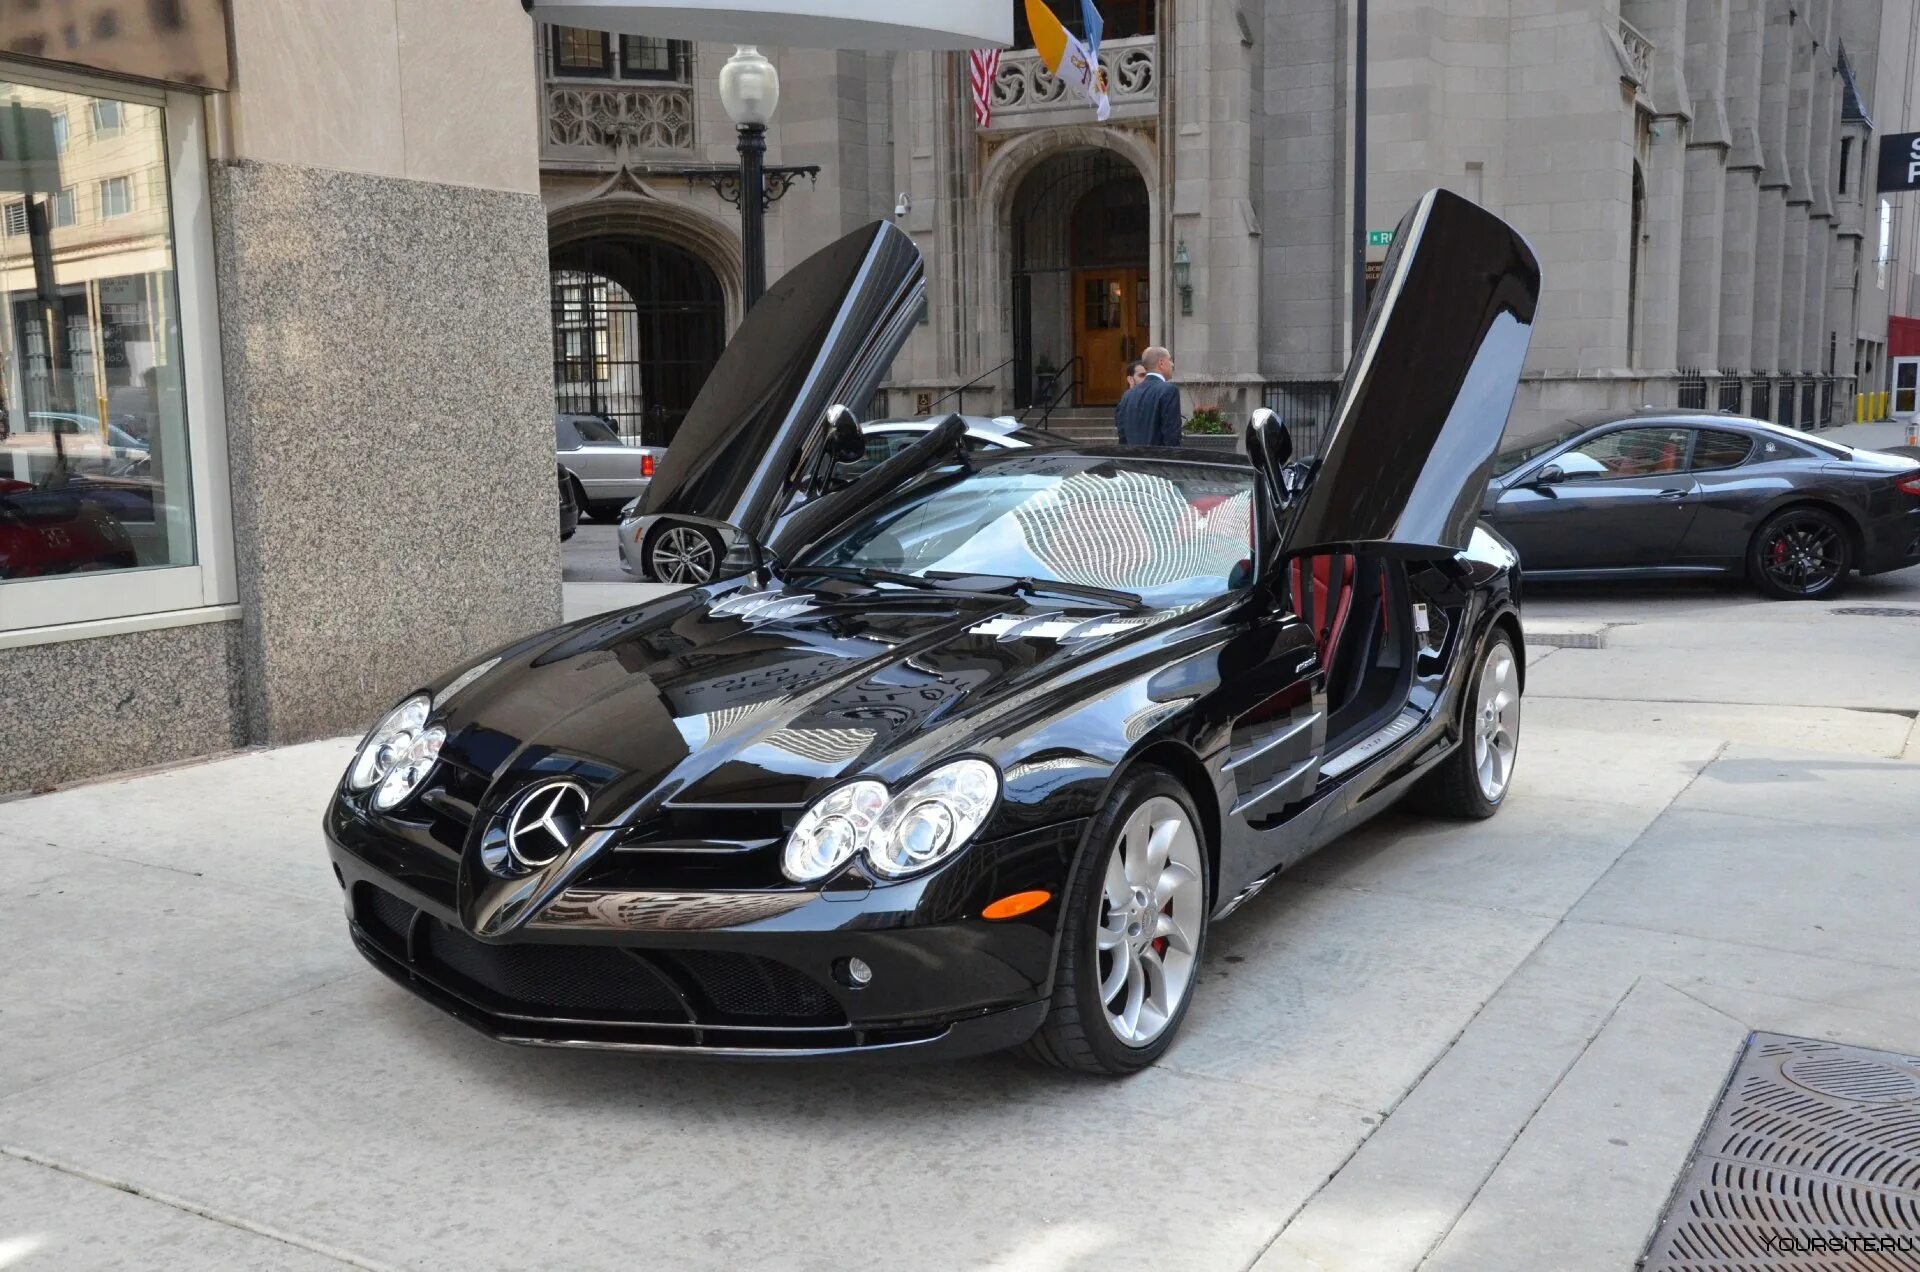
{"x":747,"y":975}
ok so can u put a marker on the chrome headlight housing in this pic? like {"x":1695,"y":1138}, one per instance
{"x":398,"y":754}
{"x":898,"y":834}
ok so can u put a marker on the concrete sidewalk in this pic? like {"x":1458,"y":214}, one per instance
{"x":1436,"y":1045}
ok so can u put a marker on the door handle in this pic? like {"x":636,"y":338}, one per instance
{"x":1675,"y":494}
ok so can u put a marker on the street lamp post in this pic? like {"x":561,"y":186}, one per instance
{"x":1359,"y":258}
{"x":750,"y":90}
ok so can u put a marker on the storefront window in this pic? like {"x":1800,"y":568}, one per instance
{"x":94,"y":458}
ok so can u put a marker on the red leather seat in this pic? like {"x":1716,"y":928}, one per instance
{"x":1323,"y":596}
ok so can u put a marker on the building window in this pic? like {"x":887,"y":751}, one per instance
{"x":1846,"y":162}
{"x":116,"y":197}
{"x":60,"y":132}
{"x":16,"y":217}
{"x":107,"y":118}
{"x":1120,"y":20}
{"x":580,"y":52}
{"x":117,"y":395}
{"x":645,"y":57}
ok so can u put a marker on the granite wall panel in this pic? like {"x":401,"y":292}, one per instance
{"x":390,"y":421}
{"x":80,"y":708}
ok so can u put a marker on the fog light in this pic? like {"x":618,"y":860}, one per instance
{"x":854,"y":972}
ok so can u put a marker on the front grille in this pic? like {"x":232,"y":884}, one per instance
{"x":385,"y":917}
{"x":680,"y":987}
{"x":549,"y":979}
{"x":746,"y":985}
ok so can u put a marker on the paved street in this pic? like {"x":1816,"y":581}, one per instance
{"x":1472,"y":1047}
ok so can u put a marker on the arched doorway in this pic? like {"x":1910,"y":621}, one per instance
{"x":1081,"y":239}
{"x":637,"y":325}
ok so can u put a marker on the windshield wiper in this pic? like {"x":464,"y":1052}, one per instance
{"x":1034,"y":587}
{"x":863,"y":574}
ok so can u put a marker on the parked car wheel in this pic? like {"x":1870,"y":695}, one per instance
{"x":1473,"y":781}
{"x":678,"y":552}
{"x":569,"y":506}
{"x":1800,"y":554}
{"x":1134,"y":930}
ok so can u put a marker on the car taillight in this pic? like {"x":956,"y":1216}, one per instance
{"x":646,"y":464}
{"x":1910,"y":484}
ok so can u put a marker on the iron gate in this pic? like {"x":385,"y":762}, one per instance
{"x":637,"y":326}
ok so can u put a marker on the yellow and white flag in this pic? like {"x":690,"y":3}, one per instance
{"x":1067,"y":58}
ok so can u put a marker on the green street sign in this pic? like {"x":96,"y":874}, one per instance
{"x":1379,"y":238}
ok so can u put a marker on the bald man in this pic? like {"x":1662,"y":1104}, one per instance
{"x":1149,"y":412}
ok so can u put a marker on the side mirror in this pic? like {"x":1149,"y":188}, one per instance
{"x":1269,"y":444}
{"x":845,"y":442}
{"x":1551,"y":475}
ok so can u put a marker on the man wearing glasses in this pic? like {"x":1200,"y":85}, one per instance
{"x":1136,"y":372}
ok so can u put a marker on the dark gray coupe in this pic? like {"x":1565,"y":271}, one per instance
{"x":1672,"y":493}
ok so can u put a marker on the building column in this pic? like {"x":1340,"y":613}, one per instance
{"x":1661,"y":259}
{"x":1704,"y":229}
{"x":1793,"y":271}
{"x":1745,"y":22}
{"x":1769,"y":240}
{"x":368,"y":288}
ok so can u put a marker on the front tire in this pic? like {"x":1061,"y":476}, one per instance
{"x":1472,"y":782}
{"x":1135,"y":929}
{"x":679,"y":552}
{"x":1800,"y":554}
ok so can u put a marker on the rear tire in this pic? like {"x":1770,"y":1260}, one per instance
{"x":1473,"y":781}
{"x":1103,"y":940}
{"x":1800,"y":554}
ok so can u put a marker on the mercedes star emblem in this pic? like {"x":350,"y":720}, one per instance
{"x":545,"y":821}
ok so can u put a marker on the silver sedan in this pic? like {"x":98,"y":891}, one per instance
{"x":607,"y":472}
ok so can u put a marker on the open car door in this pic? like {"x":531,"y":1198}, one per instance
{"x":1406,"y":457}
{"x":825,"y":333}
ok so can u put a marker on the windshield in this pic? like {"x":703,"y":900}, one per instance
{"x":1172,"y":533}
{"x":1517,"y":448}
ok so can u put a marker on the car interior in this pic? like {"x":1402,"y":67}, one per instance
{"x":1361,"y":616}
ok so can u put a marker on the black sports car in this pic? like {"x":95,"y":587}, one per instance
{"x":975,"y":748}
{"x":1671,"y":493}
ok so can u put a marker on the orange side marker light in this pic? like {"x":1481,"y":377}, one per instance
{"x":1017,"y":904}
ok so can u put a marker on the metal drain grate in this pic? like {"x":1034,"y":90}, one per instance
{"x":1811,"y":1161}
{"x":1876,"y":611}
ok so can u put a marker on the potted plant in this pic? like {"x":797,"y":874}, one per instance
{"x":1207,"y":427}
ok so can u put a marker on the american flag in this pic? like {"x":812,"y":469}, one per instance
{"x":982,"y":65}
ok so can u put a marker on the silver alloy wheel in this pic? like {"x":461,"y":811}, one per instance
{"x":682,"y":554}
{"x":1496,"y":734}
{"x":1150,"y":916}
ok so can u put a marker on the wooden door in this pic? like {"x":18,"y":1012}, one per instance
{"x":1109,"y":327}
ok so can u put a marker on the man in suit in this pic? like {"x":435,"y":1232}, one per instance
{"x":1149,"y":412}
{"x":1136,"y":372}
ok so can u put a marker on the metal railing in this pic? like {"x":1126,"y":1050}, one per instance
{"x":961,"y":392}
{"x":1690,"y":390}
{"x":1305,"y":407}
{"x":1052,"y":390}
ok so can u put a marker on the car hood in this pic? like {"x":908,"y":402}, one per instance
{"x":763,"y":698}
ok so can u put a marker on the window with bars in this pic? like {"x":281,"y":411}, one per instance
{"x":16,"y":218}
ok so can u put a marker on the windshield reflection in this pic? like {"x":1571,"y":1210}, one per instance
{"x":1171,"y":532}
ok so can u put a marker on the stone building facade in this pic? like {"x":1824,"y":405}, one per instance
{"x":1694,"y":173}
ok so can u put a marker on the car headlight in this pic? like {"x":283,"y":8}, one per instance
{"x":398,"y":754}
{"x":832,"y":830}
{"x":899,"y":834}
